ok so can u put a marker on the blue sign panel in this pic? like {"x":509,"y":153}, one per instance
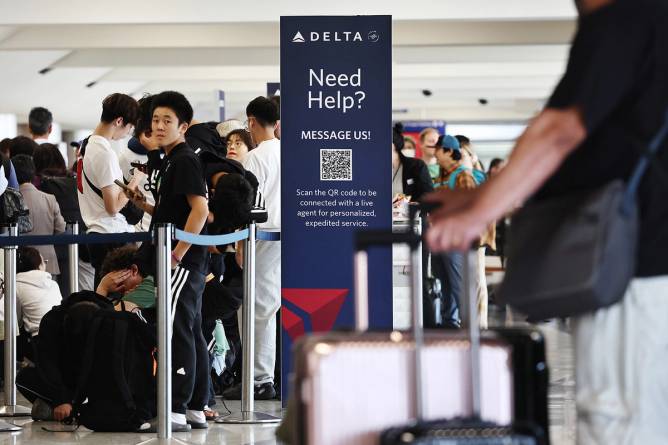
{"x":336,"y":118}
{"x":273,"y":89}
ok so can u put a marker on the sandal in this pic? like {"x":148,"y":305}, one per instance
{"x":211,"y":414}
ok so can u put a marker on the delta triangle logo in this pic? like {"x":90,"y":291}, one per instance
{"x":298,"y":38}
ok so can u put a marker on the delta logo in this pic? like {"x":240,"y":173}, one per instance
{"x":335,"y":36}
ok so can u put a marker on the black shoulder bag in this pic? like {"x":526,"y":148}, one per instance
{"x":576,"y":253}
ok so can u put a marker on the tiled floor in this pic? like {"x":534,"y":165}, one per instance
{"x":561,"y":403}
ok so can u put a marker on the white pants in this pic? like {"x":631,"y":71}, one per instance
{"x":481,"y":289}
{"x":267,"y":303}
{"x":622,"y":368}
{"x":86,"y":276}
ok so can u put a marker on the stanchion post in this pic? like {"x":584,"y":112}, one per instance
{"x":73,"y":257}
{"x":248,"y":413}
{"x":417,"y":312}
{"x":248,"y":315}
{"x":164,"y":269}
{"x":10,"y":408}
{"x":163,"y":249}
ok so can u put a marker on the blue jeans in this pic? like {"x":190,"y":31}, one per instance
{"x":449,"y":268}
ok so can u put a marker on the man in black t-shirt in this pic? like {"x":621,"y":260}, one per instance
{"x":599,"y":120}
{"x":181,"y":200}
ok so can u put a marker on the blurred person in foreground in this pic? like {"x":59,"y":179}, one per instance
{"x":593,"y":130}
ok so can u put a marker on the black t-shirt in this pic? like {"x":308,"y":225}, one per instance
{"x":180,"y":175}
{"x":617,"y":76}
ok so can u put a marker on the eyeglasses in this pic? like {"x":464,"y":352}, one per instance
{"x":246,"y":122}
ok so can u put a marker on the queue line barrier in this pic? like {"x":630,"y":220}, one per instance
{"x":163,"y":236}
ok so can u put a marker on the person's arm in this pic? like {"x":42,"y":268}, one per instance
{"x":199,"y":210}
{"x":114,"y":198}
{"x":541,"y":149}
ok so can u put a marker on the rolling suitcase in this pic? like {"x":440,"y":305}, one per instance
{"x":472,"y":429}
{"x":348,"y":387}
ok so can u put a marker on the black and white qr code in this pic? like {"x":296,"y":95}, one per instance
{"x":336,"y":164}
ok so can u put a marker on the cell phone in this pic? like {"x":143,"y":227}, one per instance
{"x":139,"y":166}
{"x":122,"y":185}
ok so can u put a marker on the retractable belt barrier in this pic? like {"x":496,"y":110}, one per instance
{"x":163,"y":241}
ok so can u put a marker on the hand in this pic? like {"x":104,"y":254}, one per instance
{"x":113,"y":282}
{"x":457,"y":223}
{"x":136,"y":196}
{"x":239,"y":254}
{"x":450,"y":201}
{"x":61,"y":412}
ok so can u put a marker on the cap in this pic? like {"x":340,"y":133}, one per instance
{"x":449,"y":142}
{"x":224,"y":128}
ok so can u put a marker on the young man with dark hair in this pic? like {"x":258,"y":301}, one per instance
{"x":124,"y":271}
{"x":181,"y":200}
{"x":265,"y":163}
{"x":102,"y":200}
{"x":44,"y":211}
{"x":136,"y":152}
{"x":40,"y":122}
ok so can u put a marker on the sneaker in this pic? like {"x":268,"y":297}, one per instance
{"x":41,"y":410}
{"x":264,"y":391}
{"x":152,"y":427}
{"x":196,"y":420}
{"x":198,"y":425}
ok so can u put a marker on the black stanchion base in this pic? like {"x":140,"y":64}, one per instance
{"x":14,"y":411}
{"x":248,"y":417}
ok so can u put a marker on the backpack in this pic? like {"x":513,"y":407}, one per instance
{"x":64,"y":188}
{"x":116,"y":390}
{"x":478,"y":177}
{"x":13,"y":208}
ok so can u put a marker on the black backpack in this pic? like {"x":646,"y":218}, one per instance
{"x":64,"y":188}
{"x":116,"y":391}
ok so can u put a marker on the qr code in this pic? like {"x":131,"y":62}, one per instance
{"x":336,"y":165}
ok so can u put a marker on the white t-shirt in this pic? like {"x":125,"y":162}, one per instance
{"x":101,"y":166}
{"x":125,"y":157}
{"x":265,"y":163}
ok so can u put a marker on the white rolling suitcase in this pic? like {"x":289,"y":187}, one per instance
{"x":349,"y":387}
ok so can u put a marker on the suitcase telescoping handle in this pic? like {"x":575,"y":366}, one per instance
{"x":411,"y":237}
{"x":468,"y":311}
{"x":469,"y":314}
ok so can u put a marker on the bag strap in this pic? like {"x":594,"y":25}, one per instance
{"x":452,"y":180}
{"x":641,"y":167}
{"x":118,"y":357}
{"x":6,"y":164}
{"x":97,"y":191}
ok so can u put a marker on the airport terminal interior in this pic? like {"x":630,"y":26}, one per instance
{"x":478,"y":68}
